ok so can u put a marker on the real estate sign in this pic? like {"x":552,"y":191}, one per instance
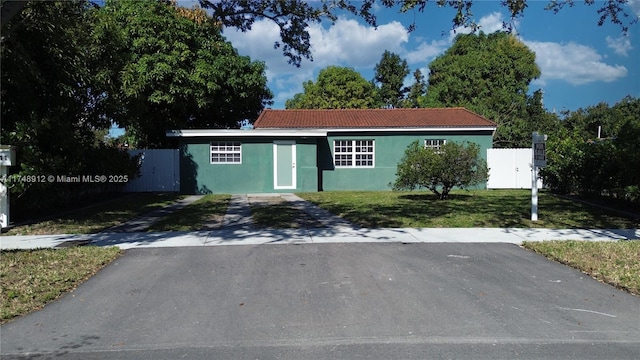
{"x":539,"y":150}
{"x":7,"y":156}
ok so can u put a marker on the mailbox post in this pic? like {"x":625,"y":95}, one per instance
{"x":539,"y":160}
{"x":7,"y":158}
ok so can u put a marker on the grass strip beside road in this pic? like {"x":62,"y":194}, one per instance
{"x":98,"y":217}
{"x":464,"y":209}
{"x":615,"y":263}
{"x":207,"y":212}
{"x":32,"y":278}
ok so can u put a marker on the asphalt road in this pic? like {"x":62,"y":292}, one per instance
{"x":333,"y":301}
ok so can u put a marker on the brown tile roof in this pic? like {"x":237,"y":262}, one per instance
{"x":370,"y":118}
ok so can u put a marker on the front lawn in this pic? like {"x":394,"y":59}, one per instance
{"x":206,"y":213}
{"x":99,"y":217}
{"x":476,"y":208}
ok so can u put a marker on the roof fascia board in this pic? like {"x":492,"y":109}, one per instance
{"x":246,"y":133}
{"x":314,"y":132}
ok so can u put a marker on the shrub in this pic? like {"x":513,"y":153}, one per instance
{"x":453,"y":165}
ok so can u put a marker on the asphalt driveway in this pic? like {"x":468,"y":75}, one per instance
{"x":329,"y":301}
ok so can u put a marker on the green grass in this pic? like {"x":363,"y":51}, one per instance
{"x":32,"y":278}
{"x":207,"y":212}
{"x":477,"y":208}
{"x":98,"y":217}
{"x":615,"y":263}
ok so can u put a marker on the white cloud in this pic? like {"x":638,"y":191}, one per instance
{"x":258,"y":44}
{"x":285,"y":86}
{"x":349,"y":42}
{"x":491,"y":23}
{"x":635,"y":6}
{"x":346,"y":42}
{"x":575,"y":63}
{"x":620,"y":45}
{"x":426,"y":51}
{"x":488,"y":24}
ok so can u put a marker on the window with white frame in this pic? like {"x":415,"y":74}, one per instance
{"x":353,"y":153}
{"x":226,"y":152}
{"x":434,"y":144}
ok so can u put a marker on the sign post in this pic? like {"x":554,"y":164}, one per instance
{"x":7,"y":158}
{"x":539,"y":160}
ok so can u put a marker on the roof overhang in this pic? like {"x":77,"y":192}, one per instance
{"x":286,"y":132}
{"x":248,"y":133}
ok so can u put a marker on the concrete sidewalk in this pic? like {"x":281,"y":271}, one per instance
{"x":238,"y":229}
{"x":322,"y":235}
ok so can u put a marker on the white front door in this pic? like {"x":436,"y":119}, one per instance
{"x":284,"y":164}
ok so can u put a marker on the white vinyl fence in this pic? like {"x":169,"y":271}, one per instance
{"x":510,"y":169}
{"x":159,"y":171}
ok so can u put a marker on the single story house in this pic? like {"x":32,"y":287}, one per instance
{"x":316,"y":150}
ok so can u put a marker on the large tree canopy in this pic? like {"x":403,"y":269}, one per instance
{"x":336,"y":88}
{"x":595,"y":152}
{"x":167,"y":67}
{"x":489,"y":74}
{"x":50,"y":106}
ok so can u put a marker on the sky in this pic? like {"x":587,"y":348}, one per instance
{"x":582,"y":64}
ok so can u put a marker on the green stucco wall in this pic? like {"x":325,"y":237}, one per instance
{"x":253,"y":175}
{"x":314,"y":163}
{"x":389,"y":149}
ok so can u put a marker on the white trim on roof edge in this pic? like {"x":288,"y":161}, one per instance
{"x":310,"y":132}
{"x":248,"y":133}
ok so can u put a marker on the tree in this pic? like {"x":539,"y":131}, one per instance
{"x":488,"y":74}
{"x":336,"y":88}
{"x":167,"y":67}
{"x":416,"y":91}
{"x":50,"y":107}
{"x":602,"y":119}
{"x":537,"y":118}
{"x":628,"y":159}
{"x":389,"y":75}
{"x":453,"y":165}
{"x":578,"y":162}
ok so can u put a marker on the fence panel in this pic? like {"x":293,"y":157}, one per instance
{"x":159,"y":171}
{"x":510,"y":169}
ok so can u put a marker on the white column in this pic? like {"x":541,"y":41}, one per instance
{"x":534,"y":193}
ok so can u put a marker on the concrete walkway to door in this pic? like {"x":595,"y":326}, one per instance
{"x":239,"y":212}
